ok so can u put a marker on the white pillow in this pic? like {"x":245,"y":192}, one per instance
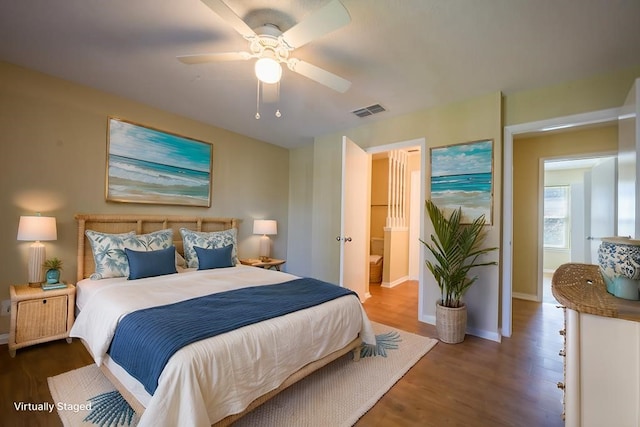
{"x":207,"y":240}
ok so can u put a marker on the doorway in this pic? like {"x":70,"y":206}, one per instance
{"x":510,"y":132}
{"x":403,"y":262}
{"x":575,"y":212}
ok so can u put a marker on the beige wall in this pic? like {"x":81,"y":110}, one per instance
{"x":469,"y":120}
{"x":527,"y":154}
{"x":379,"y":195}
{"x":580,"y":96}
{"x":53,"y":161}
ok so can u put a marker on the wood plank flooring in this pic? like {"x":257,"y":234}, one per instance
{"x":475,"y":383}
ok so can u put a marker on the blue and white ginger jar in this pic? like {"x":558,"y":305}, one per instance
{"x":619,"y":260}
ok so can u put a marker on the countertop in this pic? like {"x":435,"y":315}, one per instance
{"x":581,"y":287}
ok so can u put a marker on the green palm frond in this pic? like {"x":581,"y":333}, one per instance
{"x":456,"y":249}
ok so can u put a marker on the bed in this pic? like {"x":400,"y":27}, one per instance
{"x":216,"y":380}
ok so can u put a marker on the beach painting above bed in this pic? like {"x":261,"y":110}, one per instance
{"x":146,"y":165}
{"x":462,"y":176}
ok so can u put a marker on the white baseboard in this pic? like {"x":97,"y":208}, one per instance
{"x":493,"y":336}
{"x":527,"y":297}
{"x":395,"y":282}
{"x":4,"y":338}
{"x":488,"y":335}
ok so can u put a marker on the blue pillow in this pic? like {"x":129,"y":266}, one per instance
{"x":151,"y":263}
{"x":214,"y":258}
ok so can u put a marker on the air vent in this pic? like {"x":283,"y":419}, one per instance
{"x":368,"y":111}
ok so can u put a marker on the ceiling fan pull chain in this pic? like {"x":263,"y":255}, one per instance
{"x":258,"y":102}
{"x":278,"y":113}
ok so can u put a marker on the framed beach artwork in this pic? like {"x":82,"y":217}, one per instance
{"x":462,"y":176}
{"x":146,"y":165}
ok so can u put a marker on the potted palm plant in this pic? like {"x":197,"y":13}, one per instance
{"x":53,"y":266}
{"x":456,"y":249}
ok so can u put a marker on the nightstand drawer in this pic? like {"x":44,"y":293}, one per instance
{"x":40,"y":318}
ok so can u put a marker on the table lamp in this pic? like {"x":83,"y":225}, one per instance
{"x":37,"y":228}
{"x":265,"y":227}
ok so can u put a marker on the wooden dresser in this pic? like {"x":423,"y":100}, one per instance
{"x":602,"y":350}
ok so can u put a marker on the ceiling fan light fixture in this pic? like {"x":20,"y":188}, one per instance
{"x":268,"y":70}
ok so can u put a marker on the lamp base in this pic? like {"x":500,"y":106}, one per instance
{"x":37,"y":255}
{"x":265,"y":248}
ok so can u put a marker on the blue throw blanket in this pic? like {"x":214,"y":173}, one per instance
{"x":145,"y":340}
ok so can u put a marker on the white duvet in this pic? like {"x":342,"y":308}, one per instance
{"x":211,"y":379}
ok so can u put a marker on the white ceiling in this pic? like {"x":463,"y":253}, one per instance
{"x":403,"y":54}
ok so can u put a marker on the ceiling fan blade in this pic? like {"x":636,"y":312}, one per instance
{"x":225,"y":12}
{"x":328,"y":18}
{"x":321,"y":76}
{"x":213,"y":57}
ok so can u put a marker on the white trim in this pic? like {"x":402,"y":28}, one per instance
{"x":395,"y":282}
{"x":507,"y":214}
{"x":540,"y":230}
{"x":527,"y":297}
{"x":481,"y":333}
{"x":4,"y":339}
{"x":428,"y":318}
{"x":396,"y":228}
{"x":488,"y":335}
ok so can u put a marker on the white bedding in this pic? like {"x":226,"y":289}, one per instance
{"x":211,"y":379}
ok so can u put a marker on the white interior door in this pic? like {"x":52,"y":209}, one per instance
{"x":354,"y":218}
{"x":603,"y":204}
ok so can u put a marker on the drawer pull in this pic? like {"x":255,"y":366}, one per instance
{"x":44,"y":301}
{"x":561,"y":353}
{"x":560,"y":386}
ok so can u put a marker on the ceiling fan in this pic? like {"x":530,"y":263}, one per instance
{"x":271,"y":47}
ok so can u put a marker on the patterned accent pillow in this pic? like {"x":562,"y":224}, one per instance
{"x":153,"y":241}
{"x":207,"y":240}
{"x":108,"y":250}
{"x":108,"y":254}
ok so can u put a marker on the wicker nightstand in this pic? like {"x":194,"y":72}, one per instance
{"x":271,"y":264}
{"x":39,"y":316}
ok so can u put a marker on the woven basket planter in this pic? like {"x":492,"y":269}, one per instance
{"x":451,"y":323}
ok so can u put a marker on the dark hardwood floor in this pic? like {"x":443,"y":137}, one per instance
{"x":475,"y":383}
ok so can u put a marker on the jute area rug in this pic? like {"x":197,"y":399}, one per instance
{"x":336,"y":395}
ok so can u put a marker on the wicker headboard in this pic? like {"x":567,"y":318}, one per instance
{"x":141,"y":224}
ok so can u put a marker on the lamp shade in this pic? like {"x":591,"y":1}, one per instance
{"x":37,"y":228}
{"x":265,"y":226}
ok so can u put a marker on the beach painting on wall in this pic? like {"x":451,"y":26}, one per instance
{"x":146,"y":165}
{"x":462,"y":176}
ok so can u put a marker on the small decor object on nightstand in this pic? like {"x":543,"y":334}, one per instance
{"x":53,"y":267}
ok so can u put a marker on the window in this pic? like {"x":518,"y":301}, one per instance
{"x":556,"y":217}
